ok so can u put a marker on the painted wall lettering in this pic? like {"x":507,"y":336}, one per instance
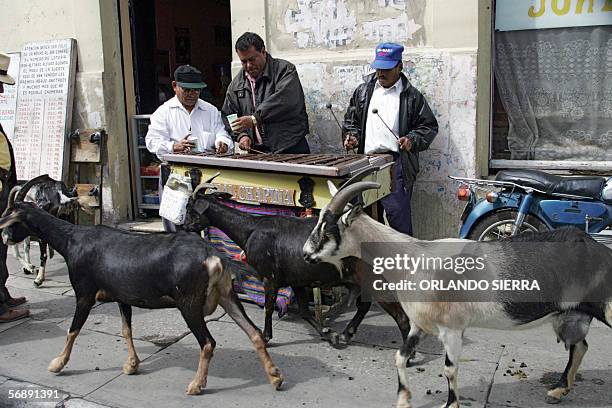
{"x":538,"y":14}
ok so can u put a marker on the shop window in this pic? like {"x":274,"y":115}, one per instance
{"x":553,"y":85}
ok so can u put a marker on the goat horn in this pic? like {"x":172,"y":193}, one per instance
{"x":360,"y":175}
{"x":212,"y":178}
{"x":342,"y":197}
{"x":26,"y":187}
{"x":11,"y":200}
{"x":202,"y":186}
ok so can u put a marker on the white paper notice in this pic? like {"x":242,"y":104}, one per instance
{"x":44,"y":107}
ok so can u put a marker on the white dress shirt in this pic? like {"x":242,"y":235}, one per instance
{"x":171,"y":122}
{"x":378,"y":139}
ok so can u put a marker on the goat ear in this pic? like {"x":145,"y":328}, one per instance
{"x":332,"y":188}
{"x":348,"y":217}
{"x":200,"y":206}
{"x":9,"y":220}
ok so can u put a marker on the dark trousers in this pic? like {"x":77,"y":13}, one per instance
{"x":397,"y":204}
{"x":4,"y":295}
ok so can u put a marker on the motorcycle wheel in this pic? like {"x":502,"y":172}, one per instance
{"x":499,"y":225}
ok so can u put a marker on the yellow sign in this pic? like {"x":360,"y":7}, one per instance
{"x":536,"y":14}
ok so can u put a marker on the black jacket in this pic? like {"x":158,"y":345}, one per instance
{"x":416,"y":120}
{"x":281,"y":110}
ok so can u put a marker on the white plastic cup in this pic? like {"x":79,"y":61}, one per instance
{"x":196,"y":147}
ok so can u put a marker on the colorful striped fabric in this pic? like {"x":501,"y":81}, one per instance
{"x":248,"y":283}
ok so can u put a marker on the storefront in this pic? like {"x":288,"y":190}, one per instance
{"x":553,"y":82}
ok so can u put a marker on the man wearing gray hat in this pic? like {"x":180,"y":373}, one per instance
{"x":8,"y":179}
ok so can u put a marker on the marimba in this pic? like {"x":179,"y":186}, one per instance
{"x":290,"y":180}
{"x":294,"y":180}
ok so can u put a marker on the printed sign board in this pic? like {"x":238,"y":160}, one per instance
{"x":44,"y":108}
{"x":513,"y":15}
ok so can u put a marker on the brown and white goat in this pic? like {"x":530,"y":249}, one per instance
{"x":153,"y":271}
{"x":576,"y":293}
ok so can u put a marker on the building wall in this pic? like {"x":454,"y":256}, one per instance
{"x":99,"y":99}
{"x":332,"y":43}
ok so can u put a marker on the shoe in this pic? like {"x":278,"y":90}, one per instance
{"x":12,"y":315}
{"x":12,"y":302}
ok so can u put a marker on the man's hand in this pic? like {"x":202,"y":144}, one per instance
{"x":350,"y":141}
{"x":183,"y":146}
{"x":244,"y":143}
{"x":405,"y":143}
{"x":242,"y":124}
{"x":221,"y":147}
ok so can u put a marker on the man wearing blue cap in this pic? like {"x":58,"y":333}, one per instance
{"x":388,"y":115}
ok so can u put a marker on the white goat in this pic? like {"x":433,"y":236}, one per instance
{"x":342,"y":229}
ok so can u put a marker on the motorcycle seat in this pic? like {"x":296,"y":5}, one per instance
{"x":581,"y":186}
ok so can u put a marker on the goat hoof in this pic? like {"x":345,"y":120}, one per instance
{"x":345,"y":338}
{"x":37,"y":283}
{"x":27,"y":271}
{"x":403,"y":401}
{"x":276,"y":379}
{"x":552,"y":400}
{"x":130,"y":368}
{"x":194,"y":388}
{"x":56,"y":365}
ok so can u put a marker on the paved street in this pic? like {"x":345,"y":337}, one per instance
{"x":499,"y":369}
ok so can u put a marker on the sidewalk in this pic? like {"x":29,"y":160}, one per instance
{"x":499,"y":369}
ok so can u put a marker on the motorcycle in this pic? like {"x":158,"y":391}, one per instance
{"x":530,"y":200}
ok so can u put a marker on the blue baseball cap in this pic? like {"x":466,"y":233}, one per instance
{"x":387,"y":56}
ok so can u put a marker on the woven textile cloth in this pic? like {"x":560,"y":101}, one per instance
{"x":248,"y":283}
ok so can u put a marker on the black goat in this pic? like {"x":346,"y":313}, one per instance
{"x":52,"y":196}
{"x":145,"y":270}
{"x":273,"y":246}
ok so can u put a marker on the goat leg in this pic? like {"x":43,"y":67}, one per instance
{"x":302,"y":300}
{"x":401,"y":361}
{"x":28,"y":268}
{"x":40,"y":276}
{"x":193,"y":313}
{"x":271,"y":292}
{"x":351,"y":328}
{"x":83,"y":307}
{"x":395,"y":310}
{"x":453,"y":343}
{"x":131,"y":364}
{"x":231,"y":304}
{"x":571,"y":328}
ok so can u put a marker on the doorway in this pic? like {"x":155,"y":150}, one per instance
{"x":162,"y":35}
